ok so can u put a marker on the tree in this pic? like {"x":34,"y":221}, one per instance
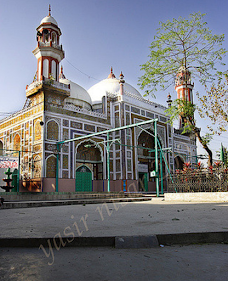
{"x":215,"y":105}
{"x":186,"y":43}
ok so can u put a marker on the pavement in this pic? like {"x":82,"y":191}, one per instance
{"x":193,"y":262}
{"x":114,"y":240}
{"x":120,"y":224}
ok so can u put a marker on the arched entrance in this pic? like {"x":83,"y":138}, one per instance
{"x":146,"y":161}
{"x":179,"y":163}
{"x":83,"y":179}
{"x":89,"y":165}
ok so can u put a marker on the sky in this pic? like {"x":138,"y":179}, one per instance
{"x":96,"y":34}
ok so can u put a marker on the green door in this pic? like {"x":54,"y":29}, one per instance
{"x":83,"y":179}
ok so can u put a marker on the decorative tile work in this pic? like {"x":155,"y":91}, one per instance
{"x":50,"y":147}
{"x":65,"y":123}
{"x":91,"y":153}
{"x":30,"y":131}
{"x":127,"y":107}
{"x":117,"y":119}
{"x":129,"y":164}
{"x":65,"y":174}
{"x":65,"y":161}
{"x":51,"y":167}
{"x":163,"y":119}
{"x":17,"y":143}
{"x":52,"y":130}
{"x":118,"y":165}
{"x":129,"y":176}
{"x":116,"y":107}
{"x":37,"y":167}
{"x":37,"y":148}
{"x":150,"y":115}
{"x":76,"y":125}
{"x":89,"y":128}
{"x":65,"y":148}
{"x":37,"y":130}
{"x":135,"y":110}
{"x":65,"y":134}
{"x":100,"y":129}
{"x":128,"y":120}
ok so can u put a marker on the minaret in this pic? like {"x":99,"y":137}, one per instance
{"x":48,"y":52}
{"x":184,"y":87}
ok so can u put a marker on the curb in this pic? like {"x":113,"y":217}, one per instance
{"x":34,"y":204}
{"x":119,"y":242}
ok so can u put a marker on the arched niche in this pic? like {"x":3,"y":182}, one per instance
{"x":51,"y":166}
{"x":52,"y":130}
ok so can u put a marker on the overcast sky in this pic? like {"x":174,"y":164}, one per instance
{"x":96,"y":34}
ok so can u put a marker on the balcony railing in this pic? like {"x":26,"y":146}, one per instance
{"x":50,"y":82}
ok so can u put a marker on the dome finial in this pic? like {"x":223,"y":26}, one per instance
{"x":49,"y":10}
{"x":111,"y":75}
{"x":61,"y":75}
{"x":121,"y":80}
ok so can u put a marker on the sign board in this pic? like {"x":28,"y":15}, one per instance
{"x":143,"y":168}
{"x":152,"y":174}
{"x":8,"y":162}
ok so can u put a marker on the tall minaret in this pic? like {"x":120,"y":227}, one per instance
{"x":48,"y":52}
{"x":184,"y":87}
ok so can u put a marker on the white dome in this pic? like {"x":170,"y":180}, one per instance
{"x":49,"y":19}
{"x":77,"y":93}
{"x":112,"y":86}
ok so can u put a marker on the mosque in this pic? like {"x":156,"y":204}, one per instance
{"x":57,"y":109}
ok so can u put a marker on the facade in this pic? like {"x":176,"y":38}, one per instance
{"x":58,"y":109}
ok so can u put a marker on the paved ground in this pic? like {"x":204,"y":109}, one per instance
{"x":114,"y":219}
{"x":58,"y":262}
{"x":194,"y":262}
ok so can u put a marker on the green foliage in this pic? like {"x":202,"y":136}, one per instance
{"x":182,"y":42}
{"x":184,"y":108}
{"x":207,"y":139}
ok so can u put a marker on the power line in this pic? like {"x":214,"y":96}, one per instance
{"x":89,"y":76}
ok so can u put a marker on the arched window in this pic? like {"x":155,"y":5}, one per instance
{"x":54,"y":38}
{"x":51,"y":167}
{"x":45,"y":68}
{"x":53,"y":69}
{"x":52,"y":130}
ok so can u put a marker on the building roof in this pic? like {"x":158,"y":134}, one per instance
{"x":49,"y":19}
{"x":110,"y":86}
{"x":77,"y":92}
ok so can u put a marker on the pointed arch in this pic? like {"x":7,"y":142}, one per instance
{"x":52,"y":130}
{"x":90,"y":146}
{"x":17,"y":142}
{"x":51,"y":166}
{"x":179,"y":162}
